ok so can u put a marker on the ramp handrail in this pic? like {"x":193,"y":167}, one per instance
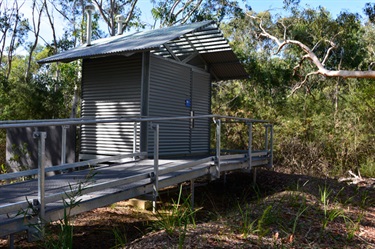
{"x":153,"y":175}
{"x":71,"y":165}
{"x":88,"y":120}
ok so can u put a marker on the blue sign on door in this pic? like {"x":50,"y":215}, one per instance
{"x":188,"y":102}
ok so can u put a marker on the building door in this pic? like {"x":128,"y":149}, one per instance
{"x":178,"y":90}
{"x":200,"y":105}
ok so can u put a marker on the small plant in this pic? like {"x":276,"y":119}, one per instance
{"x":177,"y":218}
{"x":328,"y":215}
{"x":295,"y":196}
{"x":247,"y":225}
{"x":299,"y":213}
{"x":263,"y":221}
{"x":65,"y":234}
{"x":3,"y":170}
{"x":120,"y":238}
{"x":352,"y":226}
{"x":257,"y":192}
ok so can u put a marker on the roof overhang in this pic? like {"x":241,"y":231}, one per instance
{"x":185,"y":43}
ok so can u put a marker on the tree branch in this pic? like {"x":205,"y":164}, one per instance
{"x":130,"y":15}
{"x":311,"y":56}
{"x":333,"y":46}
{"x":36,"y":27}
{"x":51,"y":22}
{"x":102,"y":13}
{"x":176,"y":2}
{"x":299,"y":85}
{"x":188,"y":15}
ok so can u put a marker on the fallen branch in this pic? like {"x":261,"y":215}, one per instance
{"x":357,"y":179}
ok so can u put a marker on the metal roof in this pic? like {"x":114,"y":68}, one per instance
{"x":186,"y":43}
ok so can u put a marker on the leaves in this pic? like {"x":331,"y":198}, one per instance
{"x":172,"y":12}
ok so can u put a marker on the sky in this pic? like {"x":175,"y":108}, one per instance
{"x":333,"y":6}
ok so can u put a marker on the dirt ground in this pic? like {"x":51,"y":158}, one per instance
{"x":280,"y":211}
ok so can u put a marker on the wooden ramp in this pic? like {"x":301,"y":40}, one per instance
{"x":106,"y":184}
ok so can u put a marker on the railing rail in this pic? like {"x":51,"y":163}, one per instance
{"x":92,"y":120}
{"x":153,"y":176}
{"x":66,"y":166}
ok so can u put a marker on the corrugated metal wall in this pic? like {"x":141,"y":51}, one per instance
{"x":169,"y":88}
{"x":201,"y":105}
{"x":171,"y":84}
{"x":111,"y":87}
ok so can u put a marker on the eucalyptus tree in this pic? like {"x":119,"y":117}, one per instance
{"x":331,"y":48}
{"x":325,"y":127}
{"x":171,"y":12}
{"x":13,"y":28}
{"x":72,"y":12}
{"x":111,"y":10}
{"x":37,"y":11}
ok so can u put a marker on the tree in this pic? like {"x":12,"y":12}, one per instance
{"x":171,"y":12}
{"x":330,"y":44}
{"x":325,"y":128}
{"x":73,"y":13}
{"x":14,"y":27}
{"x":110,"y":9}
{"x":37,"y":10}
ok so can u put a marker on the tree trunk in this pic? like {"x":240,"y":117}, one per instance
{"x":36,"y":33}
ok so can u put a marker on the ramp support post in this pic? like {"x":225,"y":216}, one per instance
{"x":11,"y":241}
{"x":270,"y":163}
{"x":218,"y":147}
{"x":40,"y":202}
{"x":266,"y":140}
{"x":155,"y":127}
{"x":135,"y":130}
{"x":250,"y":147}
{"x":192,"y":192}
{"x":63,"y":143}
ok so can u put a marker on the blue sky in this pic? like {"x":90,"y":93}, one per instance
{"x":333,"y":6}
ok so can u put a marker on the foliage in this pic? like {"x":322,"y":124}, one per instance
{"x":324,"y":129}
{"x":328,"y":214}
{"x":71,"y":200}
{"x":109,"y":10}
{"x":120,"y":238}
{"x":171,"y":12}
{"x":247,"y":225}
{"x":177,"y":218}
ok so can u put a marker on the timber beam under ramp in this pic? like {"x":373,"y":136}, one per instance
{"x":102,"y":181}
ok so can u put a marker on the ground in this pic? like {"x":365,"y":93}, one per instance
{"x":280,"y":211}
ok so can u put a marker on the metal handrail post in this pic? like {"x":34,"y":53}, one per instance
{"x":250,"y":147}
{"x":218,"y":146}
{"x":192,"y":193}
{"x":266,"y":137}
{"x":63,"y":143}
{"x":41,"y":136}
{"x":156,"y":166}
{"x":135,"y":139}
{"x":271,"y":147}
